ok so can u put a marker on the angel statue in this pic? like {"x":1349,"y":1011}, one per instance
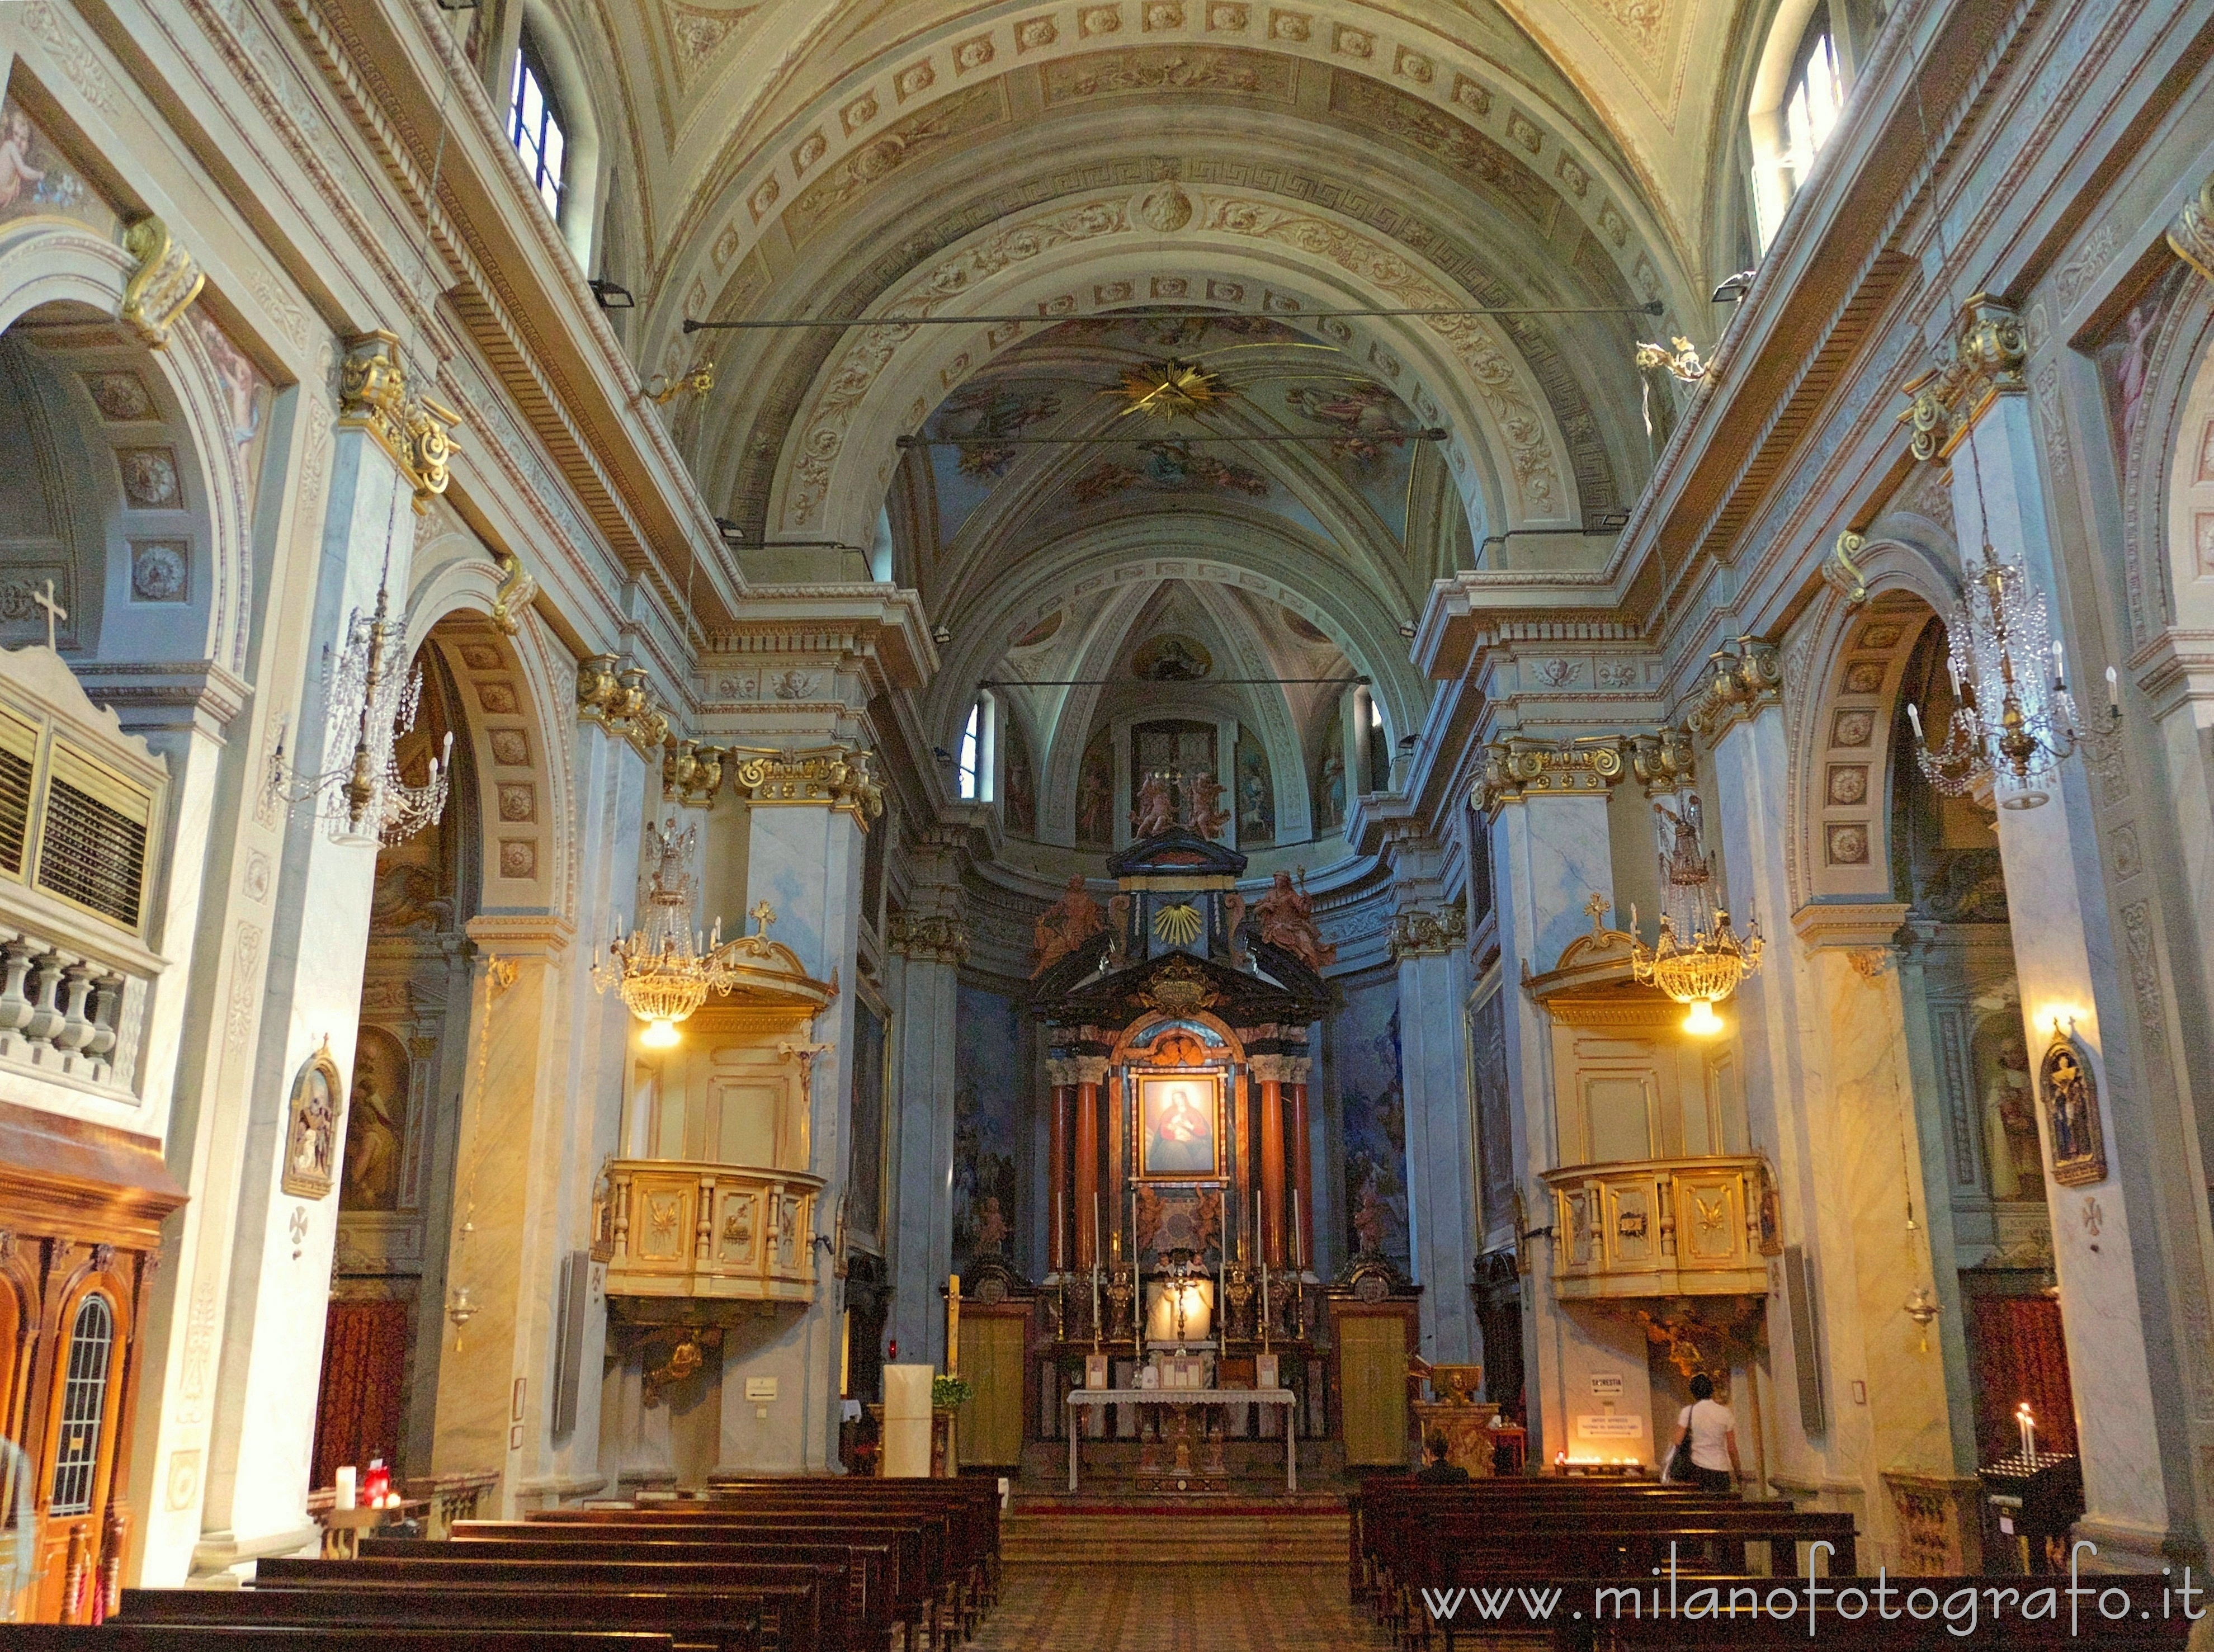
{"x":1208,"y":817}
{"x":1155,"y":814}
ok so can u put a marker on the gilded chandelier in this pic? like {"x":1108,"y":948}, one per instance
{"x":663,"y":969}
{"x":1706,"y":969}
{"x":2012,"y":726}
{"x":372,"y":705}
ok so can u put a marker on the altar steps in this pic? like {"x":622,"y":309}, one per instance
{"x":1174,"y":1534}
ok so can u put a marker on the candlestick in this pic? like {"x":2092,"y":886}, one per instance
{"x":1914,"y":716}
{"x":1095,"y":1304}
{"x":2059,"y":672}
{"x":1095,"y":1227}
{"x":2028,"y":1427}
{"x":1953,"y":671}
{"x":2113,"y":690}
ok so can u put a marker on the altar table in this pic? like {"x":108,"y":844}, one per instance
{"x":1283,"y":1397}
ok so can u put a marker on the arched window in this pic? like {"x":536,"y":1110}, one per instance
{"x":1798,"y":94}
{"x":975,"y":764}
{"x":550,"y":121}
{"x":535,"y":125}
{"x":84,"y":1407}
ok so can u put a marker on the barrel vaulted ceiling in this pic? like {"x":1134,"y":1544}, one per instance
{"x":1067,"y":161}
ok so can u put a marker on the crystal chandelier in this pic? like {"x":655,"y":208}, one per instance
{"x":2012,"y":726}
{"x":371,"y":704}
{"x":664,"y":970}
{"x":1706,"y":969}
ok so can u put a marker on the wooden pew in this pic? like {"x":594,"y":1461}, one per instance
{"x":116,"y":1636}
{"x":900,"y":1547}
{"x":932,"y":1527}
{"x":1381,"y":1520}
{"x":865,"y":1568}
{"x":977,"y":1499}
{"x":841,"y":1630}
{"x":779,"y":1618}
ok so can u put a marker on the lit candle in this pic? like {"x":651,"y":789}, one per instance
{"x":343,"y":1483}
{"x":2113,"y":692}
{"x":2059,"y":670}
{"x":1914,"y":716}
{"x":2028,"y":1427}
{"x":1953,"y":670}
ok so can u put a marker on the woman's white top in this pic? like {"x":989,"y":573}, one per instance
{"x":1711,"y":1423}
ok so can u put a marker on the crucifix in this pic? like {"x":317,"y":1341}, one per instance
{"x":54,"y":610}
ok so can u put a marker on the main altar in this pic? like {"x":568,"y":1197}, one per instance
{"x":1181,"y":1311}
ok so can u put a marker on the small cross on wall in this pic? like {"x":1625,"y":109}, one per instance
{"x":54,"y":610}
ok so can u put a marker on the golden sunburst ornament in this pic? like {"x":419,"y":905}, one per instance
{"x":1179,"y":925}
{"x":1163,"y":390}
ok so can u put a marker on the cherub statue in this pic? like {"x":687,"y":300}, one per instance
{"x":1156,"y":810}
{"x":1286,"y":919}
{"x":1066,"y":925}
{"x":1204,"y":798}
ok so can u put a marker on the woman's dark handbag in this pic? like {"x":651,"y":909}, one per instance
{"x":1679,"y":1462}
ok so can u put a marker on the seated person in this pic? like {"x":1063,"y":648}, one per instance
{"x":1435,"y":1469}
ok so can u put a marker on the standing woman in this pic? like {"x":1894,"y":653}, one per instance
{"x":1711,"y":1430}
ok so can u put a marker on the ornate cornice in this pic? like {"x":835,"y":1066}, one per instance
{"x":1989,"y":346}
{"x":1519,"y":768}
{"x":617,"y":699}
{"x":930,"y":937}
{"x":2190,"y":236}
{"x":829,"y":777}
{"x":1427,"y":932}
{"x":1737,"y":684}
{"x":374,"y":396}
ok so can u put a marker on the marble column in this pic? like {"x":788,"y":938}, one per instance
{"x":2108,"y":1237}
{"x":926,"y":949}
{"x":1057,"y":1173}
{"x":1430,"y":944}
{"x":261,"y":1263}
{"x":1551,"y":852}
{"x":804,"y":858}
{"x":1303,"y":1251}
{"x":1092,"y":1213}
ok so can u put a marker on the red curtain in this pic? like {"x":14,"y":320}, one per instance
{"x":2015,"y":1354}
{"x":365,"y":1366}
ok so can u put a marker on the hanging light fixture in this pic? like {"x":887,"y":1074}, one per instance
{"x":2012,"y":726}
{"x":1703,"y":971}
{"x":664,"y":970}
{"x":371,"y":705}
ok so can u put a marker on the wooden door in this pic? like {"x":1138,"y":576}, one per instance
{"x":77,"y":1462}
{"x":1372,"y":1362}
{"x":990,"y":1426}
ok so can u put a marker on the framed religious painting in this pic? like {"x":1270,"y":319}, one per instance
{"x":311,"y":1134}
{"x":2072,"y":1113}
{"x":1179,"y":1126}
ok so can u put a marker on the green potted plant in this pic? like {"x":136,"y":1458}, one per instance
{"x":947,"y":1396}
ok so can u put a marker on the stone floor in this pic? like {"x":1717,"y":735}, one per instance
{"x":1118,"y":1606}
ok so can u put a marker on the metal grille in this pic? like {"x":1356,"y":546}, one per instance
{"x":14,"y":810}
{"x":92,"y":854}
{"x":84,"y":1407}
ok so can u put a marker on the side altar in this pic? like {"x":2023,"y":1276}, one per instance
{"x":1181,"y":1290}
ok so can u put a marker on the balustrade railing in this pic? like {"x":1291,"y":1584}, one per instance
{"x":66,"y":1013}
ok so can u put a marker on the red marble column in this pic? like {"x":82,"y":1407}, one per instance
{"x":1088,"y":1213}
{"x":1272,"y":1172}
{"x":1302,"y":1179}
{"x":1056,"y":1216}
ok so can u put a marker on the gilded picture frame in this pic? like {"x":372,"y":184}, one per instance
{"x":314,"y":1119}
{"x":2069,"y":1096}
{"x":1179,"y":1112}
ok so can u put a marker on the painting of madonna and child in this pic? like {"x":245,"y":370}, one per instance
{"x":1179,"y":1137}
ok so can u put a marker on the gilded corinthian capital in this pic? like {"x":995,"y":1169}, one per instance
{"x":1514,"y":769}
{"x":1990,"y":347}
{"x":374,"y":396}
